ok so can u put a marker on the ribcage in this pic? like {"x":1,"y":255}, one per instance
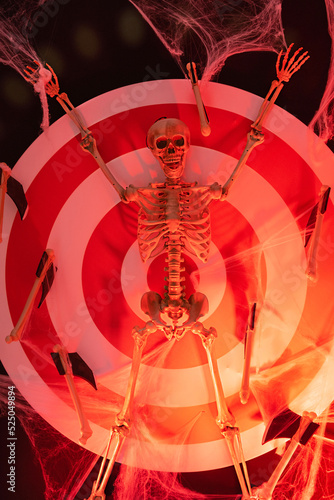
{"x":194,"y":227}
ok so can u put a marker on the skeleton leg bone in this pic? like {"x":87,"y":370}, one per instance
{"x":123,"y":420}
{"x":117,"y":437}
{"x":224,"y":420}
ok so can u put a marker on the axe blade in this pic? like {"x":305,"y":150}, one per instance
{"x":319,"y":208}
{"x":16,"y":192}
{"x":47,"y":283}
{"x":79,"y":367}
{"x":57,"y":361}
{"x":324,"y":199}
{"x":252,"y":316}
{"x":191,"y":67}
{"x":46,"y":262}
{"x":285,"y":425}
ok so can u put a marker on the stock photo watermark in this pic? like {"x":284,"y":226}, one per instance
{"x":11,"y":439}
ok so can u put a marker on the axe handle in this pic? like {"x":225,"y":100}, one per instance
{"x":16,"y":333}
{"x":86,"y":431}
{"x":244,"y":392}
{"x":3,"y":190}
{"x":269,"y":487}
{"x":311,"y":270}
{"x":205,"y":127}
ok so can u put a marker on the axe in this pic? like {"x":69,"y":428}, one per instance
{"x":14,"y":189}
{"x":44,"y":277}
{"x":314,"y":226}
{"x":287,"y":425}
{"x":63,"y":364}
{"x":78,"y":365}
{"x":244,"y":392}
{"x":203,"y":117}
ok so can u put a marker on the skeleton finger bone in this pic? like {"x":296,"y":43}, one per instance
{"x":284,"y":73}
{"x":290,"y":66}
{"x":32,"y":74}
{"x":52,"y":88}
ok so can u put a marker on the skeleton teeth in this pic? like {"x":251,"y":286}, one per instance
{"x":172,"y":160}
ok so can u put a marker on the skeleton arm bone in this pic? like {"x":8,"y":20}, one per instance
{"x":52,"y":89}
{"x":88,"y":143}
{"x":284,"y":72}
{"x":255,"y":137}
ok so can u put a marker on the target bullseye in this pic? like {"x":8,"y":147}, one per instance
{"x":257,"y":246}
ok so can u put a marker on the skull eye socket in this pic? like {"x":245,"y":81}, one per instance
{"x":178,"y":141}
{"x":161,"y":143}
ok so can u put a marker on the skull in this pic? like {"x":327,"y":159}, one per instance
{"x":168,"y":139}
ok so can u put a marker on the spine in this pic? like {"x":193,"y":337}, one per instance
{"x":175,"y":290}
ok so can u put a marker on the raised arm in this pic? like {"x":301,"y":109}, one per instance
{"x":88,"y":142}
{"x":255,"y":136}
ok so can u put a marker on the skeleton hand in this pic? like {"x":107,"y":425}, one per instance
{"x":289,"y":66}
{"x":52,"y":88}
{"x":32,"y":74}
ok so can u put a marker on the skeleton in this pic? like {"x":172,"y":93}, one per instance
{"x":174,"y":216}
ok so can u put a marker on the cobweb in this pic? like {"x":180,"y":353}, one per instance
{"x":323,"y":121}
{"x":210,"y":32}
{"x":16,"y":49}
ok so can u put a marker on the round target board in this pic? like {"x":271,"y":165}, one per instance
{"x":257,"y":255}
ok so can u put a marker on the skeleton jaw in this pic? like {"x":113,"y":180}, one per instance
{"x":172,"y":165}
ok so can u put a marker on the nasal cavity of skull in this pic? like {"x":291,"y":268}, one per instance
{"x":177,"y":141}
